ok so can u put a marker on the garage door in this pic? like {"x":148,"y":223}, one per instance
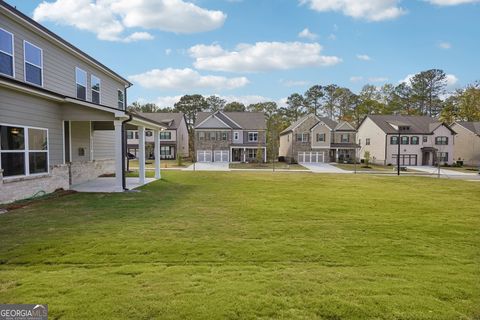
{"x":204,"y":156}
{"x":307,"y":157}
{"x":221,"y":155}
{"x":406,"y":159}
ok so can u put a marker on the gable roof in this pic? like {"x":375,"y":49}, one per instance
{"x":417,"y":124}
{"x":470,"y":125}
{"x":332,"y":124}
{"x":171,"y":119}
{"x":236,"y":120}
{"x":18,"y":14}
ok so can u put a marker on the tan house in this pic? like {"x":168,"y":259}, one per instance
{"x":467,"y":142}
{"x":318,"y":139}
{"x":173,"y":140}
{"x":423,"y":140}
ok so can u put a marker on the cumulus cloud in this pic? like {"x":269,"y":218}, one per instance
{"x":363,"y":57}
{"x":451,"y":2}
{"x":445,"y":45}
{"x":305,"y":33}
{"x":452,"y":80}
{"x":294,"y":83}
{"x":111,"y":19}
{"x":371,"y":10}
{"x":261,"y":56}
{"x":185,"y":79}
{"x":356,"y":78}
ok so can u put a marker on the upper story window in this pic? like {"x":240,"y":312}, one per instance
{"x":201,"y":136}
{"x":121,"y":99}
{"x":414,"y":140}
{"x":404,"y":140}
{"x":393,"y":140}
{"x":33,"y":63}
{"x":425,"y":139}
{"x":441,"y":140}
{"x":252,"y":136}
{"x":236,"y":135}
{"x":23,"y":150}
{"x":6,"y":53}
{"x":81,"y":81}
{"x":129,"y":134}
{"x":344,"y":137}
{"x":320,"y":137}
{"x":165,"y":135}
{"x":302,"y":137}
{"x":95,"y":85}
{"x":367,"y":141}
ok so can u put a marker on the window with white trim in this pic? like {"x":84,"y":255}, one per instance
{"x":121,"y":99}
{"x":236,"y":135}
{"x":23,"y":150}
{"x":165,"y":135}
{"x":95,"y":85}
{"x":443,"y":156}
{"x":33,"y":63}
{"x":81,"y":81}
{"x":441,"y":140}
{"x":7,"y":66}
{"x":321,"y":137}
{"x":252,"y":136}
{"x":251,"y":153}
{"x":344,"y":138}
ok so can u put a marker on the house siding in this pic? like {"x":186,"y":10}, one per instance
{"x":467,"y":146}
{"x":369,"y":130}
{"x":58,"y":65}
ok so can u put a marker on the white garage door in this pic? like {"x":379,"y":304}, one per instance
{"x":221,"y":155}
{"x":204,"y":156}
{"x":311,"y":157}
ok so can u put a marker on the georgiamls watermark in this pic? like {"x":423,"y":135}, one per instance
{"x":23,"y":312}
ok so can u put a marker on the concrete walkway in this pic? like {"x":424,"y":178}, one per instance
{"x":434,"y":170}
{"x":208,"y":166}
{"x":107,"y":185}
{"x":323,"y":168}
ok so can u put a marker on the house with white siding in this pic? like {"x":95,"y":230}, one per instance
{"x":467,"y":142}
{"x":63,"y":115}
{"x":423,"y":140}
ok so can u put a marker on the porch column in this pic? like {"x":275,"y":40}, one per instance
{"x":156,"y":141}
{"x":265,"y":155}
{"x":118,"y":155}
{"x":244,"y":154}
{"x":336,"y":155}
{"x":141,"y":155}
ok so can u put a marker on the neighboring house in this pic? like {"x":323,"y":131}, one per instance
{"x":62,"y":112}
{"x":173,"y":140}
{"x":230,"y":136}
{"x":467,"y":142}
{"x":423,"y":140}
{"x":318,"y":139}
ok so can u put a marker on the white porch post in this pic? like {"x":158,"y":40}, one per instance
{"x":141,"y":155}
{"x":244,"y":154}
{"x":156,"y":141}
{"x":336,"y":155}
{"x":118,"y":155}
{"x":264,"y":154}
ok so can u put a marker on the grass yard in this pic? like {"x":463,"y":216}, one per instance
{"x":240,"y":245}
{"x":268,"y":165}
{"x":150,"y":164}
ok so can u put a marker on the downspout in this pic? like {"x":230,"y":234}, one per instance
{"x":124,"y":150}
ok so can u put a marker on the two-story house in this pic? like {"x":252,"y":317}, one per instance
{"x":423,"y":140}
{"x":230,"y":136}
{"x":313,"y":139}
{"x":173,"y":140}
{"x":62,"y":113}
{"x":467,"y":142}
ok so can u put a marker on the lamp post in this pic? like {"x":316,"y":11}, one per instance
{"x":398,"y":151}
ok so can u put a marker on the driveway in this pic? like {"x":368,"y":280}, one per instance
{"x":208,"y":166}
{"x":323,"y":168}
{"x":434,"y":170}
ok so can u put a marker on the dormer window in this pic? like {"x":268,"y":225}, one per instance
{"x":33,"y":63}
{"x":6,"y":53}
{"x":81,"y":81}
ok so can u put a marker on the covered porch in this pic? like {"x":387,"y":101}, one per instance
{"x":107,"y":184}
{"x":343,"y":153}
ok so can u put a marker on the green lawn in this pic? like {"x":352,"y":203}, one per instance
{"x":240,"y":245}
{"x":268,"y":165}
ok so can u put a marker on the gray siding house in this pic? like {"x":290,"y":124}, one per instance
{"x":173,"y":140}
{"x":467,"y":142}
{"x":313,"y":139}
{"x":230,"y":136}
{"x":62,"y":113}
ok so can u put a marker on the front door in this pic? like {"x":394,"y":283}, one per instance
{"x":236,"y":155}
{"x":426,"y":159}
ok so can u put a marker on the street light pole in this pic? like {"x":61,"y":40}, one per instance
{"x":398,"y":155}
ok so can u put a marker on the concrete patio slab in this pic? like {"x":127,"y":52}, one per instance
{"x":107,"y":185}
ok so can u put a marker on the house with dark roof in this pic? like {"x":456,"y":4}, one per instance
{"x":313,"y":139}
{"x":230,"y":136}
{"x":173,"y":139}
{"x":423,"y":140}
{"x":467,"y":142}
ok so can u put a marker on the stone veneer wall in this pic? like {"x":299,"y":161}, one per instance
{"x":60,"y":177}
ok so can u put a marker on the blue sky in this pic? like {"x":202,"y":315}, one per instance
{"x":251,"y":50}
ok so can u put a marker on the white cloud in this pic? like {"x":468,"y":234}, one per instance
{"x":110,"y":19}
{"x":363,"y":57}
{"x":451,"y":2}
{"x":261,"y":56}
{"x":294,"y":83}
{"x":185,"y":79}
{"x":378,"y":79}
{"x":356,"y":78}
{"x":305,"y":33}
{"x":445,"y":45}
{"x":371,"y":10}
{"x":452,"y":80}
{"x":168,"y":51}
